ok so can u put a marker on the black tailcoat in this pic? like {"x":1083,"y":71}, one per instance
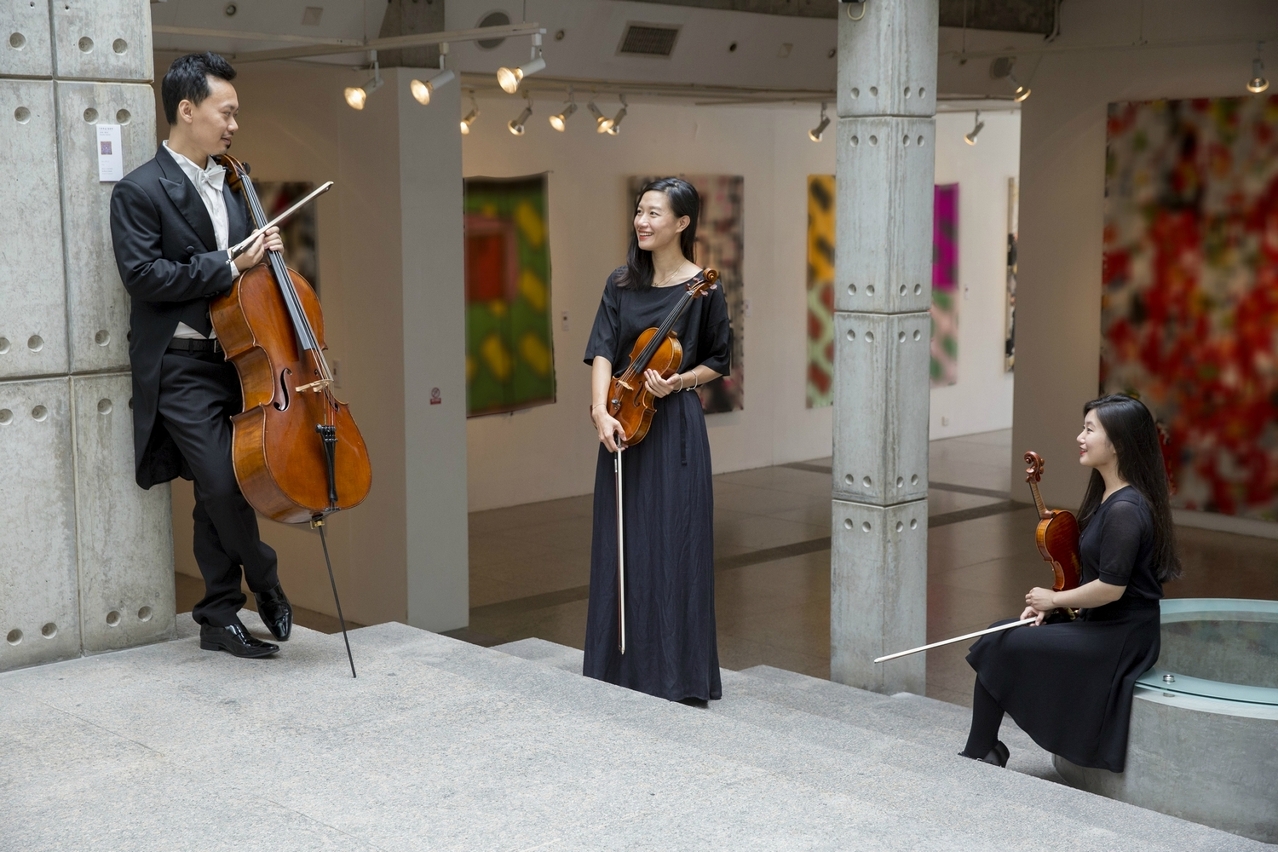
{"x":170,"y":264}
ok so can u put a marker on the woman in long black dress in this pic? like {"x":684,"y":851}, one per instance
{"x":1069,"y":685}
{"x":671,"y":650}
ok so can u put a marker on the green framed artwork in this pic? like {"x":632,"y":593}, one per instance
{"x":510,"y":361}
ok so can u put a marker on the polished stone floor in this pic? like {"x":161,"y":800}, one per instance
{"x":530,"y":564}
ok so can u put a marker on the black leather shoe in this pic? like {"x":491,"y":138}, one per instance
{"x":276,"y":612}
{"x":998,"y":755}
{"x":235,"y":640}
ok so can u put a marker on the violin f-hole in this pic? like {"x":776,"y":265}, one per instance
{"x":283,"y":405}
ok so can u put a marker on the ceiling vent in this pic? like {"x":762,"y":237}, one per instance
{"x":648,"y":40}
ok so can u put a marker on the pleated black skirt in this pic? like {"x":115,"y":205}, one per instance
{"x":671,"y":651}
{"x":1070,"y":685}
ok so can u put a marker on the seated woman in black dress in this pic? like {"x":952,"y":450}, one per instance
{"x":1069,"y":685}
{"x":669,"y":502}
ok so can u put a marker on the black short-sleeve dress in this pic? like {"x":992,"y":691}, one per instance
{"x":671,"y":649}
{"x":1070,"y":685}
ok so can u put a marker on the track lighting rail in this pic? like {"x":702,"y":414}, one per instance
{"x":393,"y":43}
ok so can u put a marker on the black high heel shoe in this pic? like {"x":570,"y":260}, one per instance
{"x":998,"y":755}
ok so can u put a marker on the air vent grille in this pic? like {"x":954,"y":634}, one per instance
{"x":648,"y":40}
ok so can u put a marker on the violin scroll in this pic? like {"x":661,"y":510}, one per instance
{"x":1034,"y":473}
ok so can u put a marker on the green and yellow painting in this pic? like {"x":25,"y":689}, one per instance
{"x":510,"y":362}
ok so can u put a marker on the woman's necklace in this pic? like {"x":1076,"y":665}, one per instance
{"x":667,"y":279}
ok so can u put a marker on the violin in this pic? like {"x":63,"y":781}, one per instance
{"x":297,"y":452}
{"x":1057,"y":532}
{"x":629,"y":400}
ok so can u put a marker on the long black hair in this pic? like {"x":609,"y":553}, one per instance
{"x":684,"y":201}
{"x":1130,"y":428}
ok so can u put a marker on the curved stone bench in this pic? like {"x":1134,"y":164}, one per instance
{"x":1204,"y":731}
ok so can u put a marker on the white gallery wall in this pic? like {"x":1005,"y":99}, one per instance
{"x":549,"y":451}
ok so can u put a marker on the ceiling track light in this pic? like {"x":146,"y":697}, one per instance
{"x":560,"y":121}
{"x":1021,"y":92}
{"x":470,"y":116}
{"x":600,"y":118}
{"x":970,"y":138}
{"x":614,"y":126}
{"x":815,"y":133}
{"x":510,"y":78}
{"x":1257,"y":83}
{"x":357,"y":96}
{"x":422,"y":91}
{"x":516,"y":125}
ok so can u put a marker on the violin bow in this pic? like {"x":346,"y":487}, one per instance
{"x":621,"y":562}
{"x":1021,"y":623}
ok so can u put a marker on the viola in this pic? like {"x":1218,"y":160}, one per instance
{"x":629,"y":400}
{"x":297,"y":452}
{"x":1057,"y":532}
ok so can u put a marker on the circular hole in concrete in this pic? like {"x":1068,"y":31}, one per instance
{"x":899,"y":526}
{"x":130,"y":403}
{"x":900,"y":337}
{"x":918,"y":288}
{"x":921,"y":141}
{"x":905,"y":140}
{"x":874,"y":140}
{"x":123,"y":116}
{"x":22,"y":115}
{"x":17,"y":41}
{"x":914,"y":480}
{"x":902,"y":289}
{"x":874,"y":91}
{"x":104,"y":406}
{"x":869,"y":290}
{"x":49,"y":630}
{"x":900,"y":481}
{"x":848,"y":480}
{"x":4,"y":345}
{"x":865,"y":526}
{"x":14,"y":637}
{"x":866,"y":481}
{"x":907,"y":91}
{"x":144,"y":614}
{"x":86,"y":44}
{"x":102,"y":338}
{"x":914,"y":523}
{"x":856,"y":93}
{"x":6,"y":417}
{"x":119,"y":45}
{"x":113,"y":618}
{"x":35,"y":343}
{"x":851,"y":334}
{"x":869,"y":337}
{"x":40,"y":413}
{"x":854,"y":141}
{"x":91,"y":115}
{"x":922,"y":91}
{"x":917,"y":334}
{"x":851,"y":289}
{"x":847,"y":523}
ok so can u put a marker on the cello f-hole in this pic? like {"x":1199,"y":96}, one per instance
{"x":284,"y":374}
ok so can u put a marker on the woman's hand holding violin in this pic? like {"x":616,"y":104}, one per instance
{"x":660,"y":387}
{"x":1038,"y":603}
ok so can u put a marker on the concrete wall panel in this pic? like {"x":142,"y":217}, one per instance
{"x":882,"y":70}
{"x":102,"y":39}
{"x":98,"y":306}
{"x":33,"y":300}
{"x":878,"y":597}
{"x":891,"y":163}
{"x":126,"y":540}
{"x":39,"y":619}
{"x":25,"y":51}
{"x":879,"y":364}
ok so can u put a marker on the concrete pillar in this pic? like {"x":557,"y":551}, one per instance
{"x":883,"y":274}
{"x":86,"y":559}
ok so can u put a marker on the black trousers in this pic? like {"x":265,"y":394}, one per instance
{"x":199,"y":392}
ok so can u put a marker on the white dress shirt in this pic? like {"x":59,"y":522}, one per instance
{"x":208,"y":183}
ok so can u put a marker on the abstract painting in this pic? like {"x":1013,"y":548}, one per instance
{"x":510,"y":362}
{"x":820,"y":380}
{"x":298,"y":231}
{"x":945,"y":288}
{"x":1009,"y":325}
{"x":1189,"y":301}
{"x":720,"y":240}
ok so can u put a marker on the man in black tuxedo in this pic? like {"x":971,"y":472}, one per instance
{"x":172,"y":221}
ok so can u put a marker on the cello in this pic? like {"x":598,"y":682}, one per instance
{"x":297,"y":453}
{"x":633,"y":405}
{"x":1057,"y":538}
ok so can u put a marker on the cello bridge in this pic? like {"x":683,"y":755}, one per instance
{"x":314,"y":387}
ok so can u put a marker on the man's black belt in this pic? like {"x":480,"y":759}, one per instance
{"x":194,"y":344}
